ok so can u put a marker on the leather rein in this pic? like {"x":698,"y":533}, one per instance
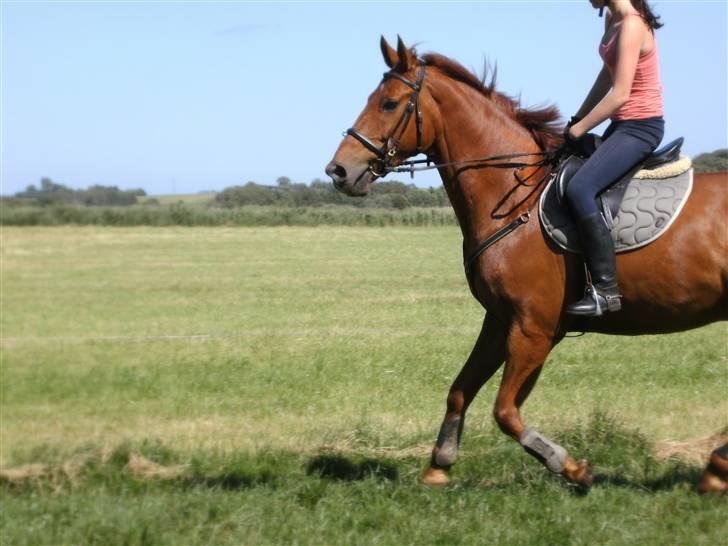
{"x":387,"y":160}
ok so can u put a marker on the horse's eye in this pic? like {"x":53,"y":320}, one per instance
{"x":388,"y":105}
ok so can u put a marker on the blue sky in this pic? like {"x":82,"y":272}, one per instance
{"x":184,"y":97}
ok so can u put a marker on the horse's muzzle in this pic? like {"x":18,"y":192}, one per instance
{"x":353,"y":181}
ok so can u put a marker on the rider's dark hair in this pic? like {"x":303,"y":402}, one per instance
{"x":652,"y":20}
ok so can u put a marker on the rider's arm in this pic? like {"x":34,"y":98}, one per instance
{"x":601,"y":87}
{"x":628,"y":52}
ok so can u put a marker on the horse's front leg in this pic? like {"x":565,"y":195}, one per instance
{"x":486,"y":357}
{"x":527,"y":351}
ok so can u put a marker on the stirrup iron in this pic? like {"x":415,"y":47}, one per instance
{"x":613,"y":301}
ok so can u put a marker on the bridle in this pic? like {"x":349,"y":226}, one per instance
{"x":386,"y":160}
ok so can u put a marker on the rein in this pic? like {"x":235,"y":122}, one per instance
{"x":387,"y":160}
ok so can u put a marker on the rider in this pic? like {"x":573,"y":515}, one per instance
{"x":627,"y":91}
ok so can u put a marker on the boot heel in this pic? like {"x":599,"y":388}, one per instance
{"x":596,"y":302}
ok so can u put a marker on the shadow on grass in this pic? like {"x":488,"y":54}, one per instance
{"x":338,"y":467}
{"x":675,"y":477}
{"x":232,"y":481}
{"x":624,"y":458}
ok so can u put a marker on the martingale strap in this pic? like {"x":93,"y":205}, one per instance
{"x":502,"y":232}
{"x":493,"y":239}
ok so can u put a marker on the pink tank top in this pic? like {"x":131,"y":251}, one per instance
{"x":645,"y":98}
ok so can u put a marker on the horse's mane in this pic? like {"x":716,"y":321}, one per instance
{"x":542,"y":123}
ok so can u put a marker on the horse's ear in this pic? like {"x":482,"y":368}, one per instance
{"x":388,"y":52}
{"x":404,"y":55}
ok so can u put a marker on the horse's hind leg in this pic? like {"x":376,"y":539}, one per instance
{"x":486,"y":357}
{"x":526,"y":354}
{"x":715,"y":477}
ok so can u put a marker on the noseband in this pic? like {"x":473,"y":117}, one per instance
{"x":386,"y":159}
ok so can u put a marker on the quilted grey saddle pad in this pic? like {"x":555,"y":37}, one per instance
{"x":648,"y":209}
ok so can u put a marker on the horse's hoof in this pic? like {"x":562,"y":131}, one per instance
{"x":712,"y":484}
{"x":435,"y":477}
{"x":579,"y":473}
{"x":715,"y":477}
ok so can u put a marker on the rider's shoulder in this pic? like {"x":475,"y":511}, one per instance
{"x":632,"y":26}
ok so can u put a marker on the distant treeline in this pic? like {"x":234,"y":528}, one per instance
{"x":51,"y":193}
{"x":392,"y":195}
{"x":180,"y":214}
{"x":396,"y":195}
{"x":383,"y":194}
{"x":287,"y":203}
{"x":716,"y":161}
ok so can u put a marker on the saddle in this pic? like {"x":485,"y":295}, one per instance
{"x":638,"y":208}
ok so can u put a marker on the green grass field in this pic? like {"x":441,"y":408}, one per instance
{"x":285,"y":385}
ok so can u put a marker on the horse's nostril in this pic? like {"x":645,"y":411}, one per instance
{"x":340,"y":172}
{"x":336,"y":172}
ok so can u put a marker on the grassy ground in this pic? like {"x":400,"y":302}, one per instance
{"x":278,"y":385}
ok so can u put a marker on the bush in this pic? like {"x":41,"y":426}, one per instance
{"x":51,"y":193}
{"x":180,"y":214}
{"x":382,"y":195}
{"x":716,"y":161}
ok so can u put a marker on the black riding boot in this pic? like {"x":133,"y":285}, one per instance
{"x":603,"y":294}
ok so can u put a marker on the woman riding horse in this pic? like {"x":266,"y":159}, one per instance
{"x":433,"y":105}
{"x":627,"y":91}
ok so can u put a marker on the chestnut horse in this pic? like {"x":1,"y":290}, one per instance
{"x":434,"y":105}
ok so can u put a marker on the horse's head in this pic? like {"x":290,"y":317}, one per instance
{"x":390,"y":128}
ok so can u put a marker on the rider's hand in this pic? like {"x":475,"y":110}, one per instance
{"x":569,"y":133}
{"x":571,"y":144}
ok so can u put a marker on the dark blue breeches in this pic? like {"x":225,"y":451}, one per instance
{"x":625,"y":144}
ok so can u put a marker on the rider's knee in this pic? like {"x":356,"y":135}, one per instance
{"x":576,"y":191}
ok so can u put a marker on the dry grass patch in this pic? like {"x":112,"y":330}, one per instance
{"x":24,"y":474}
{"x":695,"y":450}
{"x":142,"y":467}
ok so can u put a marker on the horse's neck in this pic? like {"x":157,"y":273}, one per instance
{"x":472,"y":126}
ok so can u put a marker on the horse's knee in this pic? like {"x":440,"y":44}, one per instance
{"x":508,"y":420}
{"x":455,"y":402}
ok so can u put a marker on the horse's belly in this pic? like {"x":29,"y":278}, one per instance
{"x":635,"y":323}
